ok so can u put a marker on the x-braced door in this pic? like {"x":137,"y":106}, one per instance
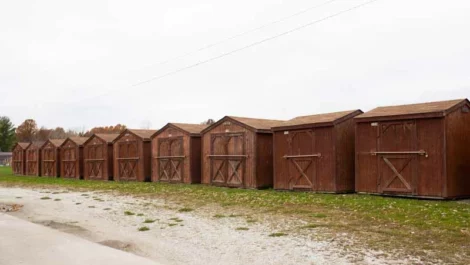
{"x":228,"y":159}
{"x":397,"y":157}
{"x":32,"y":162}
{"x":170,"y":159}
{"x":128,"y":160}
{"x":69,"y":161}
{"x":48,"y":159}
{"x":17,"y":161}
{"x":95,"y":160}
{"x":302,"y":160}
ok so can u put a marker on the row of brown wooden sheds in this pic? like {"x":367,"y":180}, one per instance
{"x":420,"y":150}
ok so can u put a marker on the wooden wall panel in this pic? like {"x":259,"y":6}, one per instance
{"x":33,"y":161}
{"x":345,"y":154}
{"x":325,"y":165}
{"x":195,"y":161}
{"x":50,"y":160}
{"x":458,"y":152}
{"x":366,"y":164}
{"x":122,"y":156}
{"x":281,"y":170}
{"x":18,"y":160}
{"x":100,"y":151}
{"x":264,"y":160}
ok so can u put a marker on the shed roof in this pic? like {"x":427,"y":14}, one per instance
{"x":77,"y":140}
{"x":144,"y":134}
{"x":23,"y":145}
{"x":37,"y":144}
{"x":55,"y":142}
{"x":420,"y":110}
{"x":324,"y":119}
{"x":108,"y":137}
{"x":190,"y":128}
{"x":258,"y":125}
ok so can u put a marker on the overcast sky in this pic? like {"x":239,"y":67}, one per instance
{"x":74,"y":63}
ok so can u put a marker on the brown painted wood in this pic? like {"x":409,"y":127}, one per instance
{"x":71,"y":158}
{"x":50,"y":153}
{"x":132,"y":155}
{"x":315,"y":153}
{"x":421,"y":156}
{"x":19,"y":158}
{"x":237,"y":152}
{"x":98,"y":157}
{"x":33,"y":159}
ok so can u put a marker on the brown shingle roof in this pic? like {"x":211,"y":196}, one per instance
{"x":325,"y":118}
{"x":108,"y":137}
{"x":412,"y":109}
{"x":57,"y":142}
{"x":190,"y":128}
{"x":78,"y":140}
{"x":37,"y":144}
{"x":258,"y":124}
{"x":24,"y":145}
{"x":144,"y":134}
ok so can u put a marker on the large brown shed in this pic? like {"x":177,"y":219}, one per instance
{"x":176,"y":153}
{"x":98,"y":156}
{"x":19,"y":158}
{"x":132,"y":155}
{"x":419,"y":150}
{"x":315,"y":153}
{"x":238,"y":152}
{"x":71,"y":157}
{"x":50,"y":153}
{"x":33,"y":159}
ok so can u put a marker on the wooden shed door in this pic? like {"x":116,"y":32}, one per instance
{"x":32,"y":165}
{"x":69,"y":161}
{"x":397,"y":157}
{"x":128,"y":160}
{"x":228,"y":159}
{"x":302,"y":160}
{"x":95,"y":160}
{"x":48,"y":160}
{"x":17,"y":161}
{"x":170,"y":159}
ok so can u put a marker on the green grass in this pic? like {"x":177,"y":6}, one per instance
{"x":57,"y":200}
{"x":219,"y":216}
{"x":381,"y":223}
{"x":45,"y":198}
{"x":278,"y":234}
{"x":143,"y":228}
{"x":149,"y":221}
{"x":129,"y":213}
{"x":242,"y":229}
{"x":185,"y":210}
{"x":140,"y":214}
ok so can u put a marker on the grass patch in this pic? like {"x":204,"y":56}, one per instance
{"x":242,"y":229}
{"x":172,"y":225}
{"x":45,"y":198}
{"x":143,"y":228}
{"x":57,"y":200}
{"x":251,"y":221}
{"x":19,"y":197}
{"x":176,"y":219}
{"x":319,"y":215}
{"x":185,"y":210}
{"x":149,"y":221}
{"x":219,"y":216}
{"x":310,"y":226}
{"x":278,"y":234}
{"x":78,"y":203}
{"x":234,"y":215}
{"x":129,"y":213}
{"x":140,"y":214}
{"x":107,"y":209}
{"x":91,"y":206}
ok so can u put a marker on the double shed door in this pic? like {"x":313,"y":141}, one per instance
{"x":49,"y":161}
{"x":17,"y":161}
{"x":128,"y":159}
{"x":170,"y":159}
{"x":397,"y":157}
{"x":228,"y":159}
{"x":95,"y":161}
{"x":69,"y":161}
{"x":32,"y":161}
{"x":301,"y":160}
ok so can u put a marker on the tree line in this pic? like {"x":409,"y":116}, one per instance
{"x":29,"y":131}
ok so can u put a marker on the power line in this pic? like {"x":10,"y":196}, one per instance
{"x":239,"y":49}
{"x":239,"y":34}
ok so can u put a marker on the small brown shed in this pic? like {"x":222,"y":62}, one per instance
{"x":71,"y":157}
{"x":50,"y":153}
{"x":238,"y":152}
{"x":315,"y":153}
{"x":19,"y":158}
{"x":33,"y":159}
{"x":176,"y":153}
{"x":98,"y":156}
{"x":132,"y":155}
{"x":419,"y":150}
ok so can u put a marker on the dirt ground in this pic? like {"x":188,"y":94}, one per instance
{"x":184,"y":236}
